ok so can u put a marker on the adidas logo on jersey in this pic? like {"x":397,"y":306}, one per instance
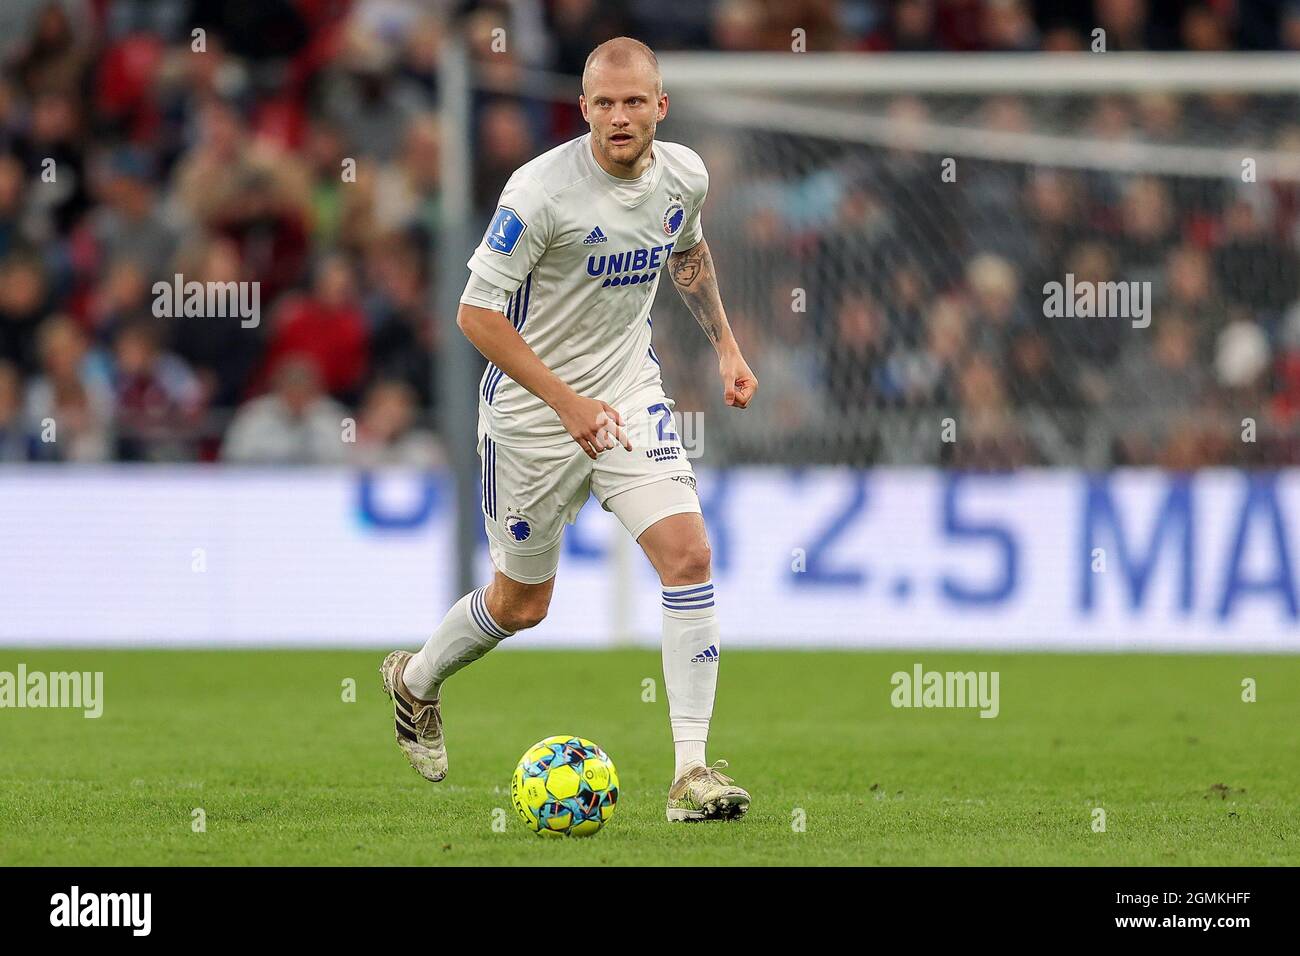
{"x":707,"y":656}
{"x":595,"y":237}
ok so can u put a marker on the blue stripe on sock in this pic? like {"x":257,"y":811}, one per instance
{"x":676,"y":593}
{"x":473,"y":610}
{"x":478,"y":607}
{"x":687,"y":599}
{"x":687,"y":607}
{"x":493,"y":627}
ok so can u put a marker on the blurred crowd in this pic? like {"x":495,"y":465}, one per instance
{"x":295,"y":143}
{"x":913,"y":300}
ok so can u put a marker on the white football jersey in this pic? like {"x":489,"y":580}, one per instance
{"x":580,"y":251}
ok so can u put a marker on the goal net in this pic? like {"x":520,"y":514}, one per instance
{"x":996,"y":262}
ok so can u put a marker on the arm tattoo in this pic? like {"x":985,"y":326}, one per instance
{"x":692,"y":273}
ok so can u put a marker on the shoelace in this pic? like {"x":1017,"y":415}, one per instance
{"x":426,"y":719}
{"x":714,"y":772}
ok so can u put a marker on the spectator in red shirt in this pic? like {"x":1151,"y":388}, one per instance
{"x":329,"y":327}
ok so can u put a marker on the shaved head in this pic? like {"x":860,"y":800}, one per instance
{"x":621,"y":53}
{"x":623,"y":100}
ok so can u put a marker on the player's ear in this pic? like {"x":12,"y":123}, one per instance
{"x":582,"y":105}
{"x":663,"y":106}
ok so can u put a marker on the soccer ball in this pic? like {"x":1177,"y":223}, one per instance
{"x":565,"y":786}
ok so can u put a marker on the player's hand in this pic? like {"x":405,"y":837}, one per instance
{"x":594,"y":425}
{"x":738,"y":383}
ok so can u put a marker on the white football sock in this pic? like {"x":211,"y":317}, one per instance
{"x":465,"y":634}
{"x":685,"y":754}
{"x":690,"y":652}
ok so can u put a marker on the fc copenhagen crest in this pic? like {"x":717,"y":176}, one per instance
{"x":674,"y":216}
{"x":518,"y":527}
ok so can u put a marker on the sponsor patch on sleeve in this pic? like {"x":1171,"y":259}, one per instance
{"x":504,"y":232}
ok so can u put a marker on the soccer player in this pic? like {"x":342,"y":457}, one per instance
{"x":558,"y":301}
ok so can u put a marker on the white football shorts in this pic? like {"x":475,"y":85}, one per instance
{"x":530,"y":494}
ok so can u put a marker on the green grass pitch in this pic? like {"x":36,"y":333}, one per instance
{"x":287,"y":772}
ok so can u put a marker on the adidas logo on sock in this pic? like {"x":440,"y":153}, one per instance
{"x":707,"y":656}
{"x":595,"y":237}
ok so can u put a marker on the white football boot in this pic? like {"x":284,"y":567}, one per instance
{"x":419,"y":724}
{"x":704,"y":793}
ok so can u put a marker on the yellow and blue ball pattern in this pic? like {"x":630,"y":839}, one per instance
{"x":565,"y":786}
